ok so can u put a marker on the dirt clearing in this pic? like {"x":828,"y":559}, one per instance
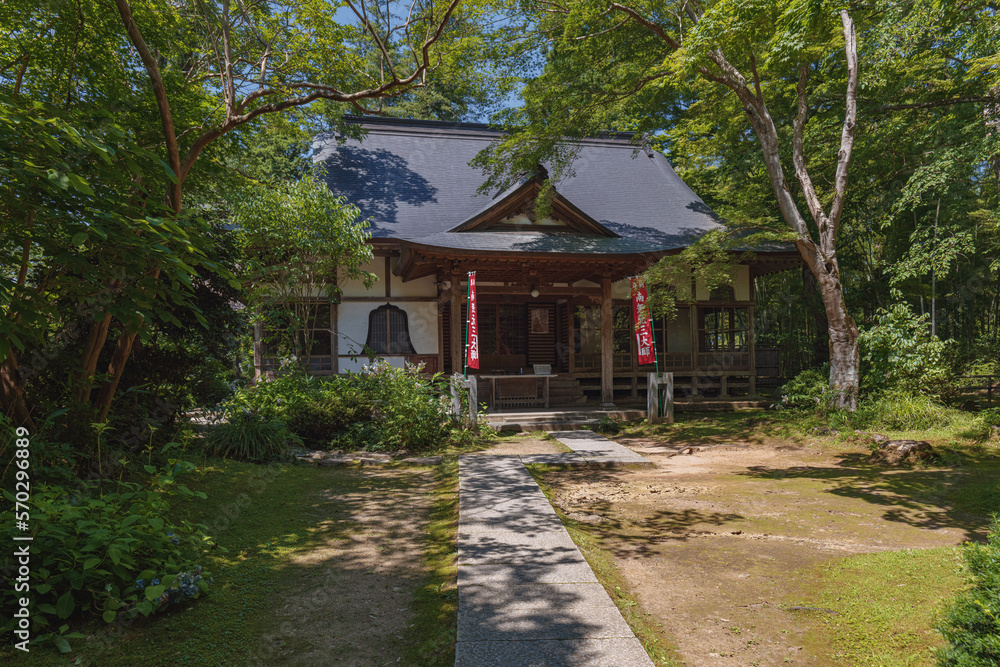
{"x":724,"y":545}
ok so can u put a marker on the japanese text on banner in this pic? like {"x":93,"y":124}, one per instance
{"x":472,"y":353}
{"x":643,"y":326}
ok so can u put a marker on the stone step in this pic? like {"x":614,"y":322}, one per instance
{"x":544,"y":426}
{"x":566,"y":416}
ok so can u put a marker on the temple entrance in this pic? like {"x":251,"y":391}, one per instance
{"x":514,"y":337}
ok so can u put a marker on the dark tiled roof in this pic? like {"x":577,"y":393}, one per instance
{"x":412,"y":179}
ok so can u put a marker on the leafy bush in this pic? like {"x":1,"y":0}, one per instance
{"x":971,"y":624}
{"x":990,"y":416}
{"x":381,"y":408}
{"x":898,"y":353}
{"x":477,"y":434}
{"x":249,"y":437}
{"x":315,"y":417}
{"x":900,"y":410}
{"x":807,"y":389}
{"x":211,"y":382}
{"x":987,"y":424}
{"x":406,"y":410}
{"x":93,"y":550}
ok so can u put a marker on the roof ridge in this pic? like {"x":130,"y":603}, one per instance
{"x":392,"y":124}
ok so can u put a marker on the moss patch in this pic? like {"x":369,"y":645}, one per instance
{"x":886,"y":605}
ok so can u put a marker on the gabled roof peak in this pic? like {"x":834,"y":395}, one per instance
{"x":518,"y":201}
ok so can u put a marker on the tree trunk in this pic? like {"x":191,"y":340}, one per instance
{"x":91,"y":352}
{"x":115,"y":369}
{"x":845,"y":359}
{"x":12,"y":398}
{"x":821,"y":347}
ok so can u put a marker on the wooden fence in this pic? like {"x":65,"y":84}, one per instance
{"x":981,"y":388}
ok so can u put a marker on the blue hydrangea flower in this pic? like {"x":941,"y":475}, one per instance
{"x":155,"y":582}
{"x":140,"y":584}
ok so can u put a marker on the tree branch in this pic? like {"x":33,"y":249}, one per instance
{"x":363,"y":16}
{"x":162,"y":101}
{"x":649,"y":25}
{"x":229,"y":85}
{"x":850,"y":124}
{"x":798,"y":152}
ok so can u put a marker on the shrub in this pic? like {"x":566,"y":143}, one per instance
{"x":477,"y":434}
{"x":971,"y":624}
{"x":898,"y":353}
{"x":249,"y":437}
{"x":807,"y":389}
{"x":990,"y":417}
{"x":407,"y":410}
{"x":94,"y":550}
{"x":211,"y":382}
{"x":316,"y":417}
{"x":900,"y":410}
{"x":381,"y":408}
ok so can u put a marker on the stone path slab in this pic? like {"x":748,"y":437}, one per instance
{"x":527,"y":597}
{"x":596,"y":449}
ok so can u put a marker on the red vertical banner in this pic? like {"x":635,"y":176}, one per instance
{"x":643,"y":327}
{"x":472,"y":342}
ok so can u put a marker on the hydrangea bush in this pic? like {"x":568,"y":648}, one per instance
{"x":96,"y":545}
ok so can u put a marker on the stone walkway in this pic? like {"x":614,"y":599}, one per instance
{"x":527,"y":597}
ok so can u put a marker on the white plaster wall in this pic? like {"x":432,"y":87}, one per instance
{"x":357,"y":287}
{"x":423,"y":320}
{"x":352,"y":318}
{"x":352,"y":322}
{"x":741,"y":285}
{"x":701,"y":292}
{"x":420,"y":287}
{"x":621,"y":289}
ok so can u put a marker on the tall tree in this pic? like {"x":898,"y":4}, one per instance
{"x":789,"y":68}
{"x":178,"y":78}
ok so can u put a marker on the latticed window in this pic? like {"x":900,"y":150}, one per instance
{"x":389,"y":331}
{"x":724,"y":329}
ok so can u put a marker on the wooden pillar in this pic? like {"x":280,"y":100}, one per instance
{"x":660,"y":410}
{"x":456,"y":323}
{"x":571,"y":336}
{"x":440,"y":337}
{"x":634,"y":362}
{"x":752,"y":343}
{"x":335,"y":337}
{"x":695,"y":366}
{"x":258,"y":351}
{"x":607,"y":346}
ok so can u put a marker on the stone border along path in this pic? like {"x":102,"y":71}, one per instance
{"x":527,"y":597}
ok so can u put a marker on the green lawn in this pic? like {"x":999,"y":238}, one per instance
{"x":270,"y":520}
{"x":886,"y":605}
